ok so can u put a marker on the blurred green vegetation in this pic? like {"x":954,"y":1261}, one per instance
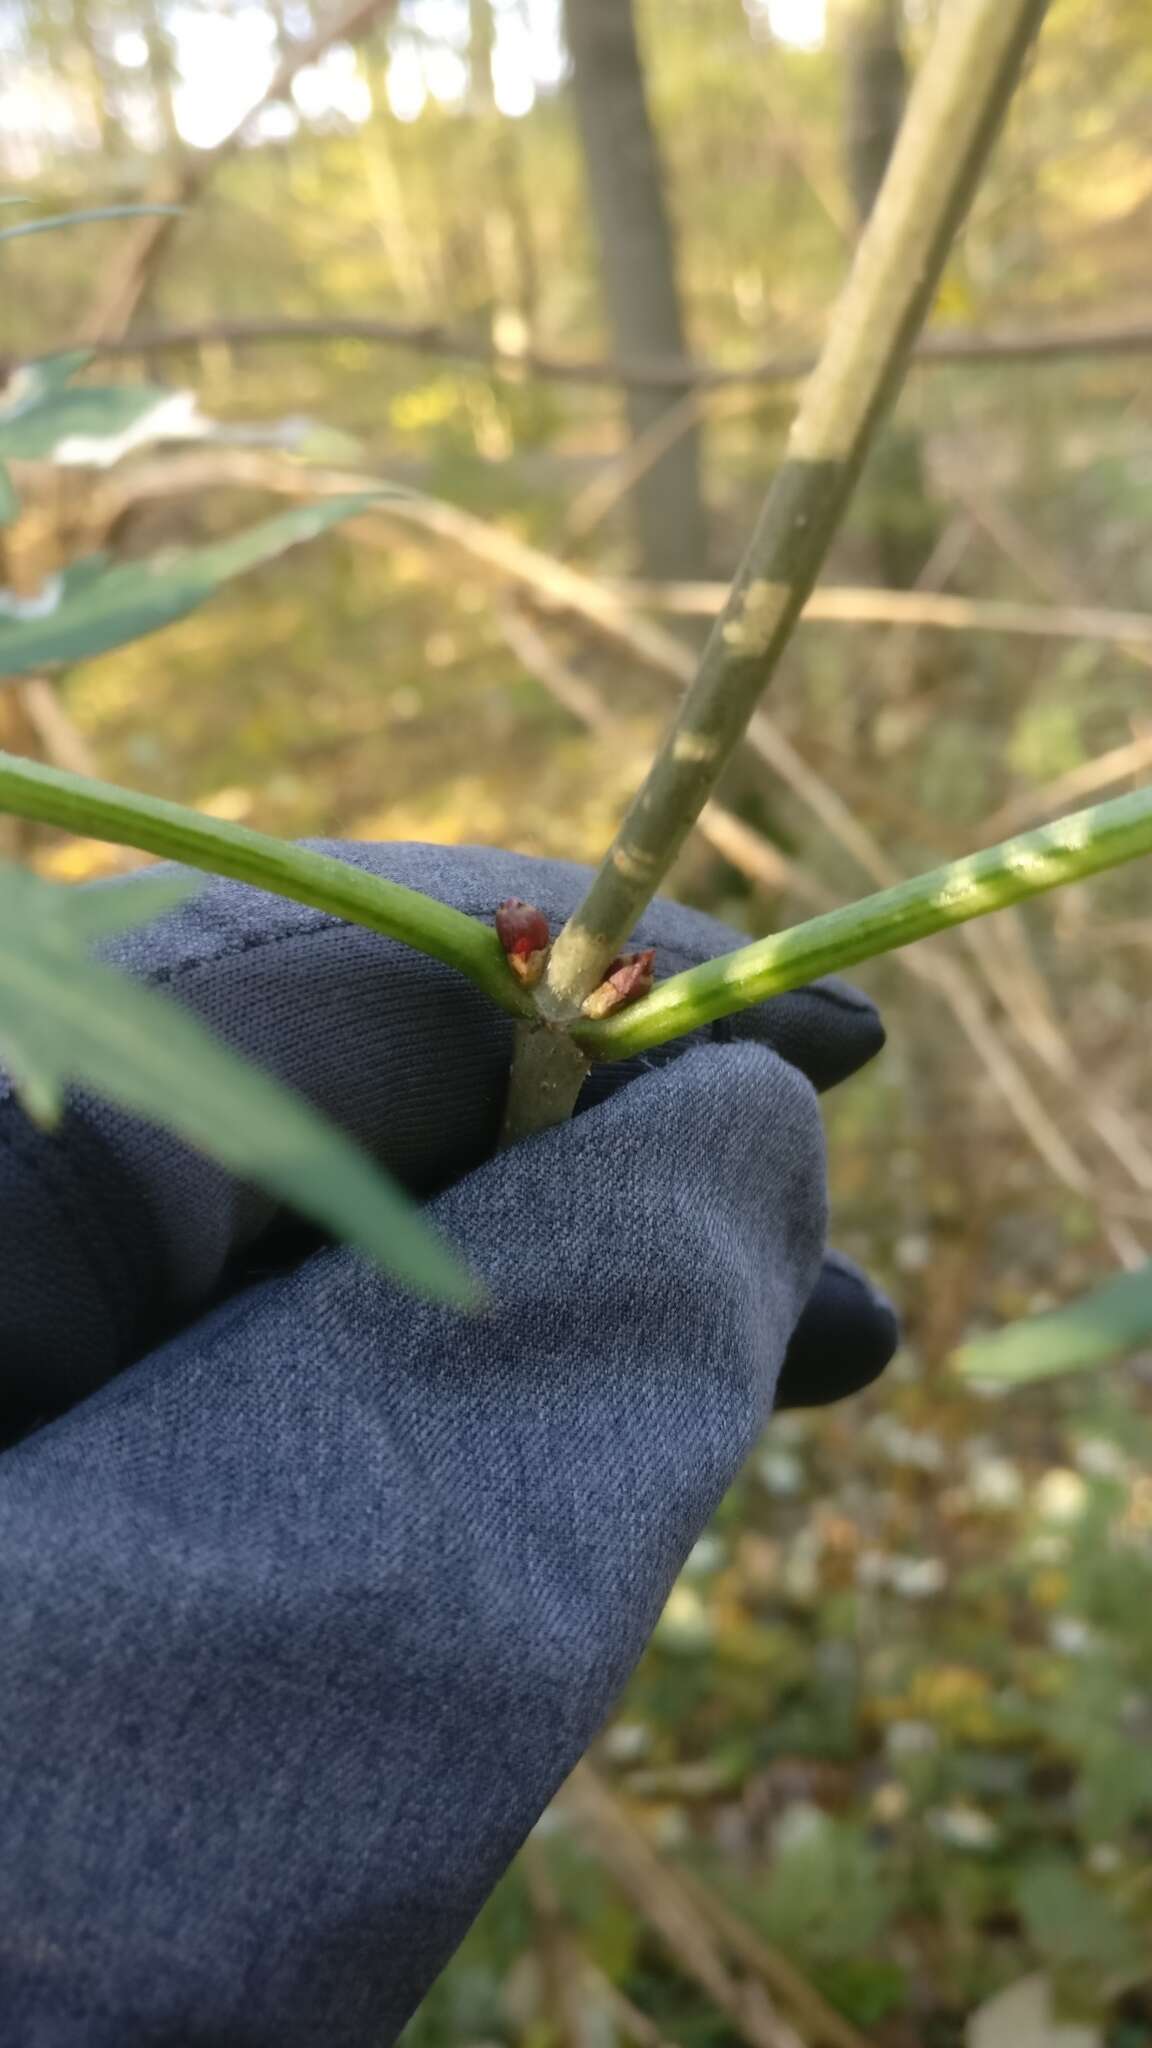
{"x":898,"y":1714}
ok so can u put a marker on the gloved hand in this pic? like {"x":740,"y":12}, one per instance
{"x":309,"y":1609}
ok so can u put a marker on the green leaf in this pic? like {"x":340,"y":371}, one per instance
{"x":52,"y":373}
{"x":97,"y":604}
{"x":1076,"y":1928}
{"x":43,"y":418}
{"x":1109,"y":1323}
{"x":75,"y":220}
{"x":67,"y":1020}
{"x":77,"y":803}
{"x":105,"y":908}
{"x":865,"y":1988}
{"x":9,"y":502}
{"x":825,"y":1900}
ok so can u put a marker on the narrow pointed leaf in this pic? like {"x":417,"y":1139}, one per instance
{"x":1107,"y":1324}
{"x":97,"y":604}
{"x":105,"y":908}
{"x":46,"y":375}
{"x":68,"y":1020}
{"x":44,"y":417}
{"x":126,"y":817}
{"x":81,"y":219}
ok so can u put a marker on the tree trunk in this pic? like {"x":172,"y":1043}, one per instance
{"x":893,"y":499}
{"x":637,"y":266}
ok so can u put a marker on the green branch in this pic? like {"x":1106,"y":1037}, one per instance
{"x":955,"y":110}
{"x":99,"y":810}
{"x":1082,"y":844}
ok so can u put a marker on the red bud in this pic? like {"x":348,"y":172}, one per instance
{"x":523,"y":932}
{"x":628,"y":978}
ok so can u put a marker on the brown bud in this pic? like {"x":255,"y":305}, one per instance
{"x":523,"y":932}
{"x":628,"y":978}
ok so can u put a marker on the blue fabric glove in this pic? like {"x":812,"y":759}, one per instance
{"x":309,"y":1609}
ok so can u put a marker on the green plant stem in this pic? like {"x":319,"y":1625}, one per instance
{"x":1084,"y":843}
{"x":99,"y":810}
{"x":953,"y":115}
{"x":548,"y":1072}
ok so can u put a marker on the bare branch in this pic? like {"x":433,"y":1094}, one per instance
{"x":781,"y":1975}
{"x":571,"y":2017}
{"x":941,"y":350}
{"x":125,"y":281}
{"x":658,"y":1895}
{"x":1100,"y":773}
{"x":848,"y":605}
{"x":64,"y":744}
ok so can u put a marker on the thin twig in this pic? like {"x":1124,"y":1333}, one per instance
{"x":576,"y":1987}
{"x":896,"y":658}
{"x":125,"y":281}
{"x":1032,"y":804}
{"x":657,"y":1894}
{"x":633,"y":2024}
{"x":1004,"y":960}
{"x":952,"y":118}
{"x":848,"y":605}
{"x":572,"y":2017}
{"x":610,"y":604}
{"x":590,"y":506}
{"x":821,"y":2020}
{"x":429,"y":337}
{"x":482,"y":541}
{"x":64,"y":744}
{"x":1044,"y":568}
{"x":534,"y":651}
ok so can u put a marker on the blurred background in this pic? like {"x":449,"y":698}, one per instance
{"x":886,"y":1772}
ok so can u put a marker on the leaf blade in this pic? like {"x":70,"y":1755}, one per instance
{"x":45,"y":418}
{"x":127,"y":817}
{"x":82,"y":218}
{"x":1106,"y":1324}
{"x":95,"y":606}
{"x":67,"y":1020}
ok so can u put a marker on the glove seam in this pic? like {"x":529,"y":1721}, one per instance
{"x":241,"y":942}
{"x":171,"y":972}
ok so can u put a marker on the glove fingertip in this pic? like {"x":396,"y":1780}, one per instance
{"x":847,"y":1334}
